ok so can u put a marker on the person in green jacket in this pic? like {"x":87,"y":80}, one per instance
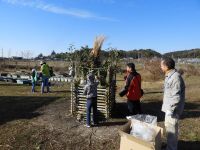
{"x":34,"y":79}
{"x":45,"y":76}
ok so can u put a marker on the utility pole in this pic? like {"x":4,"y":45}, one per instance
{"x":2,"y":53}
{"x":3,"y":58}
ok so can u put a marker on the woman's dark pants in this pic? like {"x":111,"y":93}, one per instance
{"x":92,"y":104}
{"x":134,"y":107}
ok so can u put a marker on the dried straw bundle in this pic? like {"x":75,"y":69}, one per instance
{"x":97,"y":46}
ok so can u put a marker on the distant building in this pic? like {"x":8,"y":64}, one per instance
{"x":189,"y":60}
{"x":17,"y":58}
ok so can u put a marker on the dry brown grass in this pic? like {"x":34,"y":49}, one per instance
{"x":9,"y":89}
{"x":98,"y":42}
{"x":35,"y":121}
{"x":27,"y":65}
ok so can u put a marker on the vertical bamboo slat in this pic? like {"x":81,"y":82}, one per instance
{"x":105,"y":99}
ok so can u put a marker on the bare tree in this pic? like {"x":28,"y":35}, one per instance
{"x":22,"y":54}
{"x":27,"y":55}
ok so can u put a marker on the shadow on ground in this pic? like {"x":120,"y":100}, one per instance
{"x":191,"y":110}
{"x":154,"y":92}
{"x":151,"y":108}
{"x":21,"y":107}
{"x":61,"y":91}
{"x":114,"y":123}
{"x":188,"y":145}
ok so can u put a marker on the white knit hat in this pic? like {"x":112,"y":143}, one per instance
{"x":42,"y":62}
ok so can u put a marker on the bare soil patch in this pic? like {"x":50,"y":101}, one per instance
{"x":35,"y":121}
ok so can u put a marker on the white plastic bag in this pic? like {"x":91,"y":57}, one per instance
{"x":143,"y":131}
{"x":144,"y":118}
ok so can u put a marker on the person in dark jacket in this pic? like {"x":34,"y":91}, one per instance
{"x":90,"y":90}
{"x":33,"y":79}
{"x":132,"y":89}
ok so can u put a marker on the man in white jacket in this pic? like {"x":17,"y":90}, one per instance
{"x":173,"y":101}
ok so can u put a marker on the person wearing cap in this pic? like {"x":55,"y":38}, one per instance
{"x":33,"y":79}
{"x":45,"y":76}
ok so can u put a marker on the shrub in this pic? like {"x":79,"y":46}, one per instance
{"x":192,"y":70}
{"x":153,"y":67}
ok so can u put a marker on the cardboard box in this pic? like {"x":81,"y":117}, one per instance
{"x":129,"y":142}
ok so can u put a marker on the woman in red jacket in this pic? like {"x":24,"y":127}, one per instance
{"x":132,"y":89}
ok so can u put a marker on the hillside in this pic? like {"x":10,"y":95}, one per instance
{"x":193,"y":53}
{"x":84,"y":52}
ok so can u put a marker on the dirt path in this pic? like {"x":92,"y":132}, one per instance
{"x":72,"y":134}
{"x":35,"y":121}
{"x":43,"y":122}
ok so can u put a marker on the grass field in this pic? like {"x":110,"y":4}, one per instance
{"x":27,"y":65}
{"x":36,"y":121}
